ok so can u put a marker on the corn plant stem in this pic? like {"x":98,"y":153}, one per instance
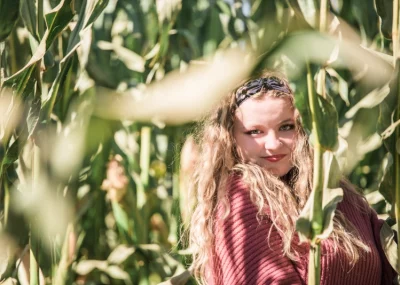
{"x":61,"y":271}
{"x":13,"y":55}
{"x":33,"y":264}
{"x":323,"y":24}
{"x":321,"y":82}
{"x":396,"y":158}
{"x":40,"y":18}
{"x":314,"y":261}
{"x":396,"y":165}
{"x":6,"y":201}
{"x":395,"y":30}
{"x":145,"y":141}
{"x":34,"y":246}
{"x":2,"y":62}
{"x":145,"y":148}
{"x":316,"y":214}
{"x":323,"y":16}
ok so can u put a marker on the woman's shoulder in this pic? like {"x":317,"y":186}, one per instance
{"x":235,"y":200}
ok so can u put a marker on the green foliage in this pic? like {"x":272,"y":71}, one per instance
{"x":108,"y":166}
{"x":9,"y":16}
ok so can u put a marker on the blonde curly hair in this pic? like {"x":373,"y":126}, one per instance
{"x":219,"y":159}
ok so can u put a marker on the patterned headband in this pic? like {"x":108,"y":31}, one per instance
{"x":257,"y":85}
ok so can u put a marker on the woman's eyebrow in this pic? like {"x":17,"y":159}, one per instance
{"x":286,"y":121}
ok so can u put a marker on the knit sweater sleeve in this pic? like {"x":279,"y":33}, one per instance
{"x":245,"y":250}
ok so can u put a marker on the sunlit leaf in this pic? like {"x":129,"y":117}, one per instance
{"x":370,"y":100}
{"x":117,"y":273}
{"x":131,"y":59}
{"x":303,"y":47}
{"x":48,"y":213}
{"x":120,"y":254}
{"x":181,"y":278}
{"x":167,"y":9}
{"x":84,"y":267}
{"x":389,"y":245}
{"x":389,"y":131}
{"x":388,"y":175}
{"x":57,"y":20}
{"x":309,"y":9}
{"x":87,"y":16}
{"x":343,"y":88}
{"x":178,"y":98}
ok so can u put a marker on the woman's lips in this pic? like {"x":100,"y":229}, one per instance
{"x":275,"y":158}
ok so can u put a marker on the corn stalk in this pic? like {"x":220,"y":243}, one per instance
{"x":317,"y":214}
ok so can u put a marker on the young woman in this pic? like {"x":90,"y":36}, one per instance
{"x":253,"y":177}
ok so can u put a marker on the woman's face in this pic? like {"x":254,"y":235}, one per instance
{"x":265,"y":131}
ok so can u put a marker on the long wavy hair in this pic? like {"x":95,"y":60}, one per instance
{"x":219,"y":159}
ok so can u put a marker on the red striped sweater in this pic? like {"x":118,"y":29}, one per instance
{"x":244,"y":255}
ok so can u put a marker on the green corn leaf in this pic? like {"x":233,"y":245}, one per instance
{"x":387,"y":176}
{"x":29,"y":16}
{"x":87,"y":16}
{"x":387,"y":239}
{"x":120,"y":254}
{"x":57,"y":20}
{"x":332,"y":195}
{"x":94,"y":9}
{"x":371,"y":100}
{"x":384,"y":9}
{"x":48,"y":105}
{"x":121,"y":217}
{"x":302,"y":104}
{"x":327,"y":124}
{"x":326,"y":118}
{"x":9,"y":15}
{"x":308,"y":8}
{"x":167,"y":10}
{"x":337,"y":5}
{"x":10,"y":156}
{"x":132,"y":60}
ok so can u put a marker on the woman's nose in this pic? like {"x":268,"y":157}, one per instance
{"x":272,"y":141}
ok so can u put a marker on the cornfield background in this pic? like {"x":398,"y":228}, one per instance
{"x":99,"y":97}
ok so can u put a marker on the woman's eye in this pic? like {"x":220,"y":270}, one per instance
{"x":253,"y":132}
{"x":286,"y":127}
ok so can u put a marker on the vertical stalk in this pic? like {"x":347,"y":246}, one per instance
{"x":323,"y":27}
{"x":396,"y":156}
{"x":395,"y":30}
{"x":40,"y":18}
{"x":323,"y":16}
{"x":316,"y":214}
{"x":13,"y":55}
{"x":314,"y":261}
{"x":6,"y":201}
{"x":396,"y":164}
{"x":145,"y":141}
{"x":145,"y":148}
{"x":34,"y":246}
